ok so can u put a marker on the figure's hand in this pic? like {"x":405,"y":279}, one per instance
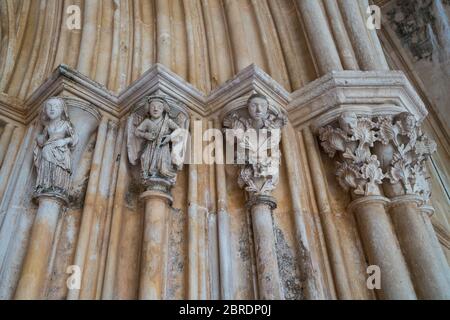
{"x":165,"y":140}
{"x":40,"y":139}
{"x":149,"y":136}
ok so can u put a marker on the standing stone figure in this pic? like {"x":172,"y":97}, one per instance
{"x":158,"y":139}
{"x":53,"y":150}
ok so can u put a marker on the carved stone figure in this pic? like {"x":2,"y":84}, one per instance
{"x":258,"y":137}
{"x":53,"y":150}
{"x":157,"y":138}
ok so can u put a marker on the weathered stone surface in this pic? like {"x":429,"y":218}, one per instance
{"x":303,"y":236}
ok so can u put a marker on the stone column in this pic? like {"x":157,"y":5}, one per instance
{"x":259,"y":176}
{"x":359,"y":170}
{"x":343,"y":43}
{"x":382,"y":248}
{"x":319,"y":36}
{"x":269,"y":283}
{"x":154,"y":245}
{"x":404,"y":149}
{"x":366,"y":51}
{"x":4,"y":140}
{"x":156,"y":141}
{"x":53,"y":160}
{"x":423,"y":257}
{"x":32,"y":281}
{"x":223,"y":223}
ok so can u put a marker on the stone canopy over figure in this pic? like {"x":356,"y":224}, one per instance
{"x":157,"y":137}
{"x":53,"y":150}
{"x":258,"y":140}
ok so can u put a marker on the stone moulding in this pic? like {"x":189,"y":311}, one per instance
{"x":364,"y":92}
{"x":64,"y":81}
{"x":317,"y":103}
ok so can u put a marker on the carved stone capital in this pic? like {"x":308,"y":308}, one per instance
{"x":373,"y":150}
{"x":156,"y":139}
{"x":406,"y":154}
{"x":351,"y":140}
{"x":258,"y":132}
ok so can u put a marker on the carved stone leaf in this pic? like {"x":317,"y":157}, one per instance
{"x":373,"y":174}
{"x":364,"y":133}
{"x":387,"y":131}
{"x":400,"y":172}
{"x":425,"y":146}
{"x":347,"y":175}
{"x":332,"y":140}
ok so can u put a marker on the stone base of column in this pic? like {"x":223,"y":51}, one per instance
{"x":382,"y":247}
{"x":269,"y":282}
{"x":421,"y":254}
{"x":32,"y":281}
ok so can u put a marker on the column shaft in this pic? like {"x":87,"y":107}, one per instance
{"x":154,"y":246}
{"x":382,"y":249}
{"x":266,"y":258}
{"x":223,"y":224}
{"x":319,"y":36}
{"x":32,"y":280}
{"x":421,"y":255}
{"x":4,"y":141}
{"x":365,"y":51}
{"x":343,"y":43}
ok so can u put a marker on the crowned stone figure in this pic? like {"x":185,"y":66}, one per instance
{"x":53,"y":150}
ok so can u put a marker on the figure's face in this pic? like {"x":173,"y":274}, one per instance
{"x":257,"y":108}
{"x":349,"y":122}
{"x":53,"y":109}
{"x":409,"y":123}
{"x":156,"y":109}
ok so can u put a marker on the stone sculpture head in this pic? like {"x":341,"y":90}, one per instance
{"x":348,"y":121}
{"x":157,"y":107}
{"x":258,"y":107}
{"x":54,"y":108}
{"x":407,"y":122}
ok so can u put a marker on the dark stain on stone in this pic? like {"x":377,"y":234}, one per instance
{"x":131,"y":195}
{"x":176,"y":256}
{"x":288,"y":265}
{"x":412,"y":20}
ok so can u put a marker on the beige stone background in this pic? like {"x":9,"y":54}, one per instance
{"x":206,"y":43}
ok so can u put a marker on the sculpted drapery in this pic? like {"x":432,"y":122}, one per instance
{"x":157,"y":138}
{"x":53,"y":150}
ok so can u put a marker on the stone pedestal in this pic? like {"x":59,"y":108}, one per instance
{"x":422,"y":255}
{"x":382,"y":248}
{"x":32,"y":281}
{"x":269,"y":284}
{"x":154,"y":245}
